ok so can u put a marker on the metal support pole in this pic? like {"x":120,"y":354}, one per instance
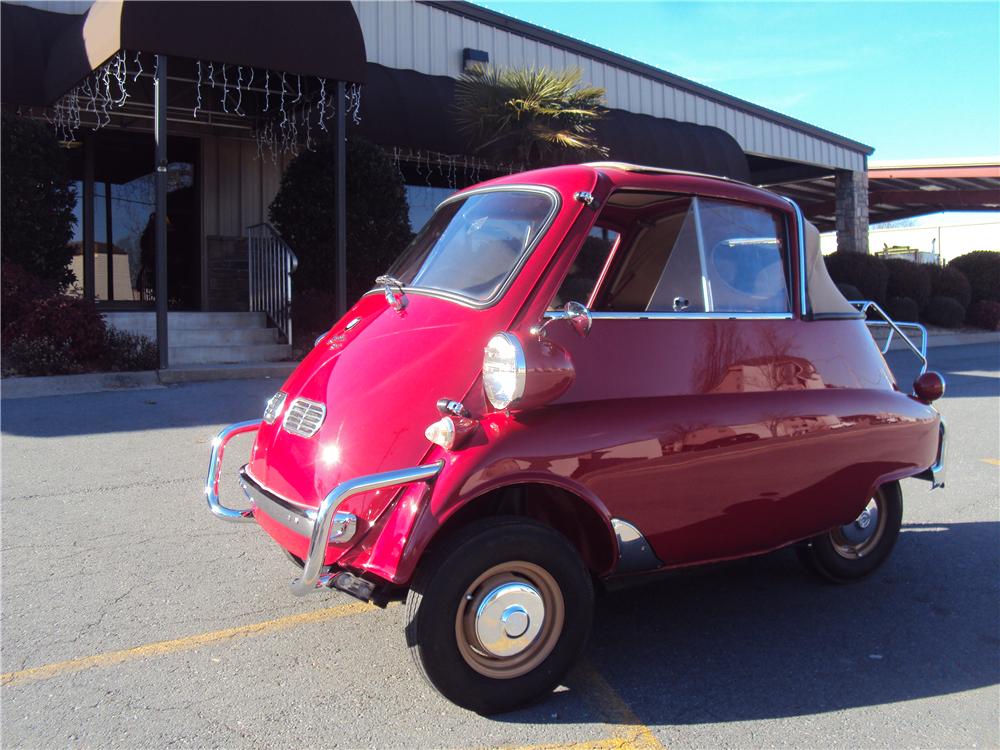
{"x":88,"y":216}
{"x":340,"y":133}
{"x":160,"y":135}
{"x":109,"y":241}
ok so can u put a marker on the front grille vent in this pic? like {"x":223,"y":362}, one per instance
{"x":304,"y":417}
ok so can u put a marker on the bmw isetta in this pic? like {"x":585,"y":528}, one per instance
{"x":572,"y":377}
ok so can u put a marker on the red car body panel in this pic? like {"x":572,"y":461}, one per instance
{"x":717,"y":438}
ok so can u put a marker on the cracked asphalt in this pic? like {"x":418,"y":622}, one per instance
{"x":107,"y":548}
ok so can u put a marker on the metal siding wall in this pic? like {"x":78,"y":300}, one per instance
{"x":409,"y":35}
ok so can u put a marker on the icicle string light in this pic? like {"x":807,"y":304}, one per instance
{"x":197,"y":89}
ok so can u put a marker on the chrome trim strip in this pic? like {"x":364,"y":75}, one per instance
{"x":294,"y":518}
{"x":215,"y":470}
{"x":800,"y":240}
{"x":312,"y":578}
{"x":498,"y":295}
{"x":634,"y":552}
{"x":559,"y":314}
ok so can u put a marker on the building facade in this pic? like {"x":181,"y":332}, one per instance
{"x":249,"y":83}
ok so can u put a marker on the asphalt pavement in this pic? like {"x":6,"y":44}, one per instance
{"x":131,"y":618}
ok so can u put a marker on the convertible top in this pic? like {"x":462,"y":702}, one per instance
{"x":825,"y":300}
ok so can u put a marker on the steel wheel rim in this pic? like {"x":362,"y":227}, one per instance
{"x":857,"y":539}
{"x":512,"y":585}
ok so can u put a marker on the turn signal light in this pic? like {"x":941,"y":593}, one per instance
{"x":450,"y":431}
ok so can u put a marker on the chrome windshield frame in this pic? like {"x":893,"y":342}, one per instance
{"x":546,"y":225}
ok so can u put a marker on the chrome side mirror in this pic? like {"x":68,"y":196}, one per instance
{"x":576,"y":313}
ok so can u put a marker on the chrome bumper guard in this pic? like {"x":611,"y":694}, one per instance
{"x":935,"y":474}
{"x":324,"y":525}
{"x":215,"y":470}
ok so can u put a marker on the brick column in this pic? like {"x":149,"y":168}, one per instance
{"x":852,"y":211}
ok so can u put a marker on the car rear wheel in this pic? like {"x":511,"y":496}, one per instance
{"x":499,"y":614}
{"x":854,"y":550}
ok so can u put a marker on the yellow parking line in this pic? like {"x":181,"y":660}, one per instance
{"x":994,"y":461}
{"x":628,"y":732}
{"x":34,"y":674}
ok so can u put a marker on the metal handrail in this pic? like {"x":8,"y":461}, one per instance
{"x":865,"y":305}
{"x":272,"y":263}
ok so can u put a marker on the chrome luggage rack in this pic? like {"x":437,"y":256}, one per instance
{"x":866,"y":306}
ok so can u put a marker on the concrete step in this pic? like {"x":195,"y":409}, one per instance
{"x":181,"y":337}
{"x":143,"y":321}
{"x":196,"y":355}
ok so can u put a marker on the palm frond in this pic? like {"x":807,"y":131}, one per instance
{"x":527,"y":114}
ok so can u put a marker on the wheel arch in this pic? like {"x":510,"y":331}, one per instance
{"x":572,"y":511}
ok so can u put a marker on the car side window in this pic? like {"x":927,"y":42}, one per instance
{"x":746,"y":257}
{"x":682,"y":254}
{"x":582,"y":277}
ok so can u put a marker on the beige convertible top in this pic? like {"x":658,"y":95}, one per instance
{"x":824,"y":297}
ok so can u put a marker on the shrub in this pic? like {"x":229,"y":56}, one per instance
{"x":378,"y":226}
{"x":26,"y":355}
{"x":902,"y":308}
{"x":36,"y":214}
{"x":125,"y":351}
{"x":949,"y":282}
{"x":907,"y":279}
{"x":850,"y":291}
{"x":46,"y":332}
{"x":985,"y":314}
{"x":865,"y":272}
{"x":982,"y":269}
{"x":945,"y":312}
{"x":313,"y":312}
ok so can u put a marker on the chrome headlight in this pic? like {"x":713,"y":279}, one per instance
{"x":274,"y":406}
{"x":504,"y":370}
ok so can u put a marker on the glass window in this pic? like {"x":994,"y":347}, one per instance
{"x":422,"y":200}
{"x":578,"y":286}
{"x":745,"y":257}
{"x":472,"y":245}
{"x":682,"y":254}
{"x":657,"y":268}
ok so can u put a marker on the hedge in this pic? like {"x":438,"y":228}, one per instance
{"x":982,"y":269}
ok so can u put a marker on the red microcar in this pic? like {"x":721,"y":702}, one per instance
{"x":573,"y":377}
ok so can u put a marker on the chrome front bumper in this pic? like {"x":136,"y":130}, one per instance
{"x":323,"y":526}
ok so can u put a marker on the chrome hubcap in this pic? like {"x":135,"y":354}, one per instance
{"x":862,"y":528}
{"x":509,"y":618}
{"x":862,"y":535}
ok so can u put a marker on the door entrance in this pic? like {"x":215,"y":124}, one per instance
{"x":118,"y":167}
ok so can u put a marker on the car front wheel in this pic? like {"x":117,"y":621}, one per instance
{"x":853,"y":551}
{"x":499,"y":614}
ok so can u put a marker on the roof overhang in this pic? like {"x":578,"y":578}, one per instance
{"x":45,"y":54}
{"x":899,"y":190}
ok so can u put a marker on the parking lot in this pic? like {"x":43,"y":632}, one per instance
{"x":131,"y":618}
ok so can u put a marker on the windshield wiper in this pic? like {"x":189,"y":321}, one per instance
{"x":390,"y":286}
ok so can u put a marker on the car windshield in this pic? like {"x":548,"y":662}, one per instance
{"x":471,"y":246}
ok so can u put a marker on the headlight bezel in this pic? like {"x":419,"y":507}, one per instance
{"x":515,"y":366}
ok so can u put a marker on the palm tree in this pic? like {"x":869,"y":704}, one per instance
{"x":528,"y":115}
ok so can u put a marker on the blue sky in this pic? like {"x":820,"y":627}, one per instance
{"x":915,"y":80}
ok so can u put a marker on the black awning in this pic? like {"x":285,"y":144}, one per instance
{"x":415,"y":111}
{"x":45,"y":54}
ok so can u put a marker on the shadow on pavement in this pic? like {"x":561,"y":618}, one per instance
{"x":761,"y":639}
{"x":969,"y":371}
{"x":188,"y":405}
